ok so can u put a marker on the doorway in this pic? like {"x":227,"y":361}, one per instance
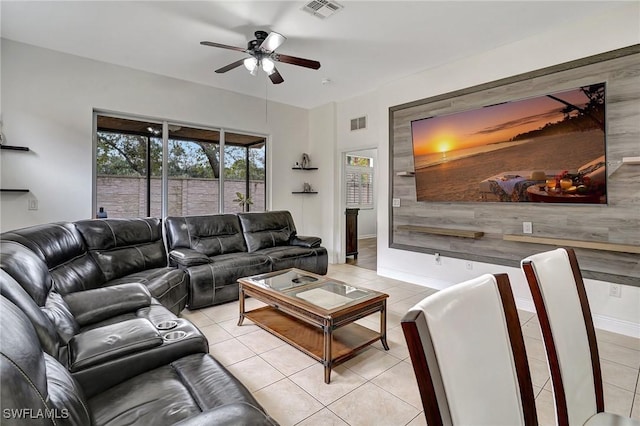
{"x":359,"y":177}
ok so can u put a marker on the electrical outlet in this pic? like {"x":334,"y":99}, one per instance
{"x":615,"y":290}
{"x":396,"y":202}
{"x":527,"y":228}
{"x":33,"y":204}
{"x":438,"y":259}
{"x":469,"y":265}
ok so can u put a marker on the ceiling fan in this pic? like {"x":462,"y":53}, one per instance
{"x":263,"y":55}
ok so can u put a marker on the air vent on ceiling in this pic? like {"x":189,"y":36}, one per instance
{"x":359,"y":123}
{"x":322,"y":8}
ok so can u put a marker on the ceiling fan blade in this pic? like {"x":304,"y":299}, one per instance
{"x":272,"y":42}
{"x":275,"y":77}
{"x":223,"y":46}
{"x":231,"y":66}
{"x":293,"y":60}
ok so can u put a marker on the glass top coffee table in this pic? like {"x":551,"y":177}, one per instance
{"x":315,"y":314}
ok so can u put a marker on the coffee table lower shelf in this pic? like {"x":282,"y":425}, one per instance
{"x":347,"y":340}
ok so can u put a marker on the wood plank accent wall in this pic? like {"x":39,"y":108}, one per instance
{"x":617,"y":223}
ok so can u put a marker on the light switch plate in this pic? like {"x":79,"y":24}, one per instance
{"x":527,"y":228}
{"x":396,"y":202}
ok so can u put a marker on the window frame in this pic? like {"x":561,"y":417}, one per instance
{"x":165,"y":136}
{"x":360,"y":171}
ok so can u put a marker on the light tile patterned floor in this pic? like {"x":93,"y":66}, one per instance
{"x":378,"y":387}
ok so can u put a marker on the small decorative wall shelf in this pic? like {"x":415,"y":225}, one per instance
{"x":14,"y":148}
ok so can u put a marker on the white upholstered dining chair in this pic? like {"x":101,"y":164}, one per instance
{"x":569,"y":337}
{"x":468,"y":355}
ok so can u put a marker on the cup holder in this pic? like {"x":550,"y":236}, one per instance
{"x":175,"y":335}
{"x":166,"y":325}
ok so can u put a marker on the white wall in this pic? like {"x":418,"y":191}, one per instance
{"x":320,"y":210}
{"x":560,"y":45}
{"x":47,"y":103}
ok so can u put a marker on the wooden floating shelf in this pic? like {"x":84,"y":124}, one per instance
{"x":304,"y":168}
{"x":304,"y":192}
{"x":594,"y":245}
{"x":14,"y":148}
{"x":14,"y":190}
{"x":406,"y":174}
{"x":442,"y":231}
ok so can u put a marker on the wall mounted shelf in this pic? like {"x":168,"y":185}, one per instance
{"x":594,"y":245}
{"x":14,"y":148}
{"x":305,"y":168}
{"x":14,"y":190}
{"x":463,"y":233}
{"x":304,"y":192}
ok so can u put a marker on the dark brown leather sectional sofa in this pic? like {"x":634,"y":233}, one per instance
{"x":88,"y":310}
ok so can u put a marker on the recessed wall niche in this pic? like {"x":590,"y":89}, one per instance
{"x":606,"y":236}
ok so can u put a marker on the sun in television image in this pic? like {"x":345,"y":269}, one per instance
{"x":548,"y":149}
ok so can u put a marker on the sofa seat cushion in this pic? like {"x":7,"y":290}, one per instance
{"x":216,"y":282}
{"x":169,"y":394}
{"x":167,"y":285}
{"x":308,"y":259}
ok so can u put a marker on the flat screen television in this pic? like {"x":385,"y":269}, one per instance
{"x":549,"y":149}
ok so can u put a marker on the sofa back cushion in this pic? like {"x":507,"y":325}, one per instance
{"x":61,"y":248}
{"x":31,"y":273}
{"x":124,"y":246}
{"x":211,"y":235}
{"x":27,"y":269}
{"x":38,"y":382}
{"x":267,"y":229}
{"x":45,"y":329}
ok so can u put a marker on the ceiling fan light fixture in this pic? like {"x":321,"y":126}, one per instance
{"x":251,"y":64}
{"x":268,"y":66}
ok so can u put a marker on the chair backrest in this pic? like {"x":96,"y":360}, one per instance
{"x":468,"y":355}
{"x":569,"y":337}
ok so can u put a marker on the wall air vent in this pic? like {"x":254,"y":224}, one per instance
{"x":359,"y":123}
{"x":322,"y":8}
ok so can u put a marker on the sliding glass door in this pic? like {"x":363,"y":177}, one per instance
{"x":208,"y":171}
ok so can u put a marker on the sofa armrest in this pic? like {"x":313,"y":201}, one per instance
{"x":91,"y":306}
{"x":103,"y":344}
{"x":309,"y":242}
{"x":186,"y":257}
{"x":239,"y":413}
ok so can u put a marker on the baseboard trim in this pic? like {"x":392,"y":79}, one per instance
{"x":364,"y":237}
{"x":602,"y":322}
{"x":615,"y":325}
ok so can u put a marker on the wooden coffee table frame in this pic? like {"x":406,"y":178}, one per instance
{"x":329,"y":336}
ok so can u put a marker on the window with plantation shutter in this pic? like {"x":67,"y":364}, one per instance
{"x":359,"y":182}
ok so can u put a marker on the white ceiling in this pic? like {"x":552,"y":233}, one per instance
{"x":365,"y":45}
